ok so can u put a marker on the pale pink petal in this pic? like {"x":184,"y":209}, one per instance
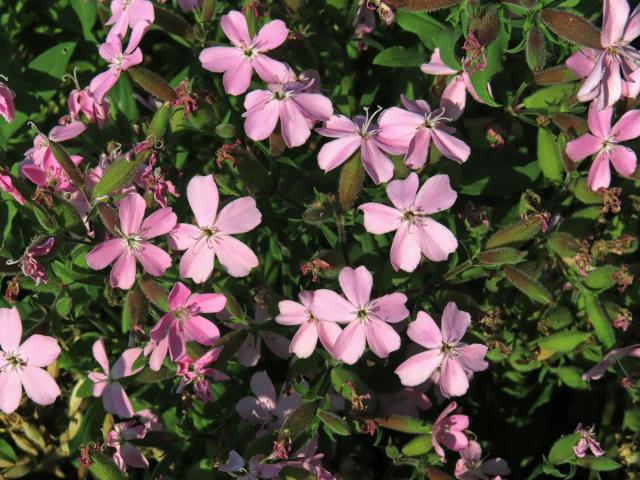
{"x":235,"y":256}
{"x":450,"y":146}
{"x":252,"y":410}
{"x":234,"y":463}
{"x":599,"y":173}
{"x":183,"y":236}
{"x":418,"y":368}
{"x":270,"y":70}
{"x":592,"y":83}
{"x":131,"y":212}
{"x":237,"y":78}
{"x":632,"y":29}
{"x":380,"y":219}
{"x":39,"y":350}
{"x":328,"y":306}
{"x":600,"y":120}
{"x":628,"y":127}
{"x":356,"y":285}
{"x":256,"y":99}
{"x":453,"y":380}
{"x":178,"y":296}
{"x":314,"y":105}
{"x":123,"y":273}
{"x":221,"y":59}
{"x":405,"y":249}
{"x":398,"y":125}
{"x":472,"y":357}
{"x":239,"y":216}
{"x":581,"y":63}
{"x":197,"y":262}
{"x":624,"y":160}
{"x":100,"y":354}
{"x":382,"y":338}
{"x":39,"y":385}
{"x":103,"y":83}
{"x":454,"y":323}
{"x":418,"y":150}
{"x":402,"y":193}
{"x":158,"y":354}
{"x":335,"y":153}
{"x":66,"y":132}
{"x":10,"y":329}
{"x":271,"y":35}
{"x":141,"y":11}
{"x":424,"y":331}
{"x":614,"y":19}
{"x":234,"y":26}
{"x":611,"y":90}
{"x":10,"y":391}
{"x":177,"y":345}
{"x":376,"y":163}
{"x":454,"y":97}
{"x":158,"y":223}
{"x":304,"y":341}
{"x":123,"y":367}
{"x":260,"y":123}
{"x":202,"y":194}
{"x":436,"y":66}
{"x":100,"y":382}
{"x":208,"y":302}
{"x":276,"y":343}
{"x":338,"y":126}
{"x":435,"y":195}
{"x":249,"y":352}
{"x":201,"y":330}
{"x":291,"y":313}
{"x":293,"y":124}
{"x":154,"y":260}
{"x":436,"y":240}
{"x":351,"y":343}
{"x":328,"y":332}
{"x":132,"y":456}
{"x":105,"y":253}
{"x":263,"y":389}
{"x":583,"y":146}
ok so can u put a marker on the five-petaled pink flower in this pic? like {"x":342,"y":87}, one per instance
{"x":247,"y":54}
{"x":211,"y":235}
{"x":454,"y":97}
{"x":291,"y":103}
{"x":266,"y":408}
{"x":105,"y":383}
{"x":197,"y":373}
{"x":7,"y":107}
{"x":587,"y":442}
{"x":448,"y":430}
{"x":471,"y":465}
{"x":446,"y":355}
{"x":133,"y":243}
{"x":362,"y":134}
{"x":612,"y":70}
{"x":23,"y":365}
{"x":416,"y":127}
{"x":127,"y":14}
{"x":127,"y":454}
{"x":604,"y":143}
{"x":416,"y":233}
{"x":119,"y":61}
{"x":183,"y":323}
{"x":311,"y":329}
{"x":368,"y":320}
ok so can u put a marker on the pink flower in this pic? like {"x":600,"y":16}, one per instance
{"x":23,"y":365}
{"x":6,"y":185}
{"x":28,"y":263}
{"x":416,"y":127}
{"x":154,"y":182}
{"x":449,"y":431}
{"x":611,"y":71}
{"x":247,"y":54}
{"x":454,"y":97}
{"x":184,"y":323}
{"x":197,"y":373}
{"x":265,"y":408}
{"x":50,"y":174}
{"x":291,"y":103}
{"x":126,"y":454}
{"x":307,"y":458}
{"x":7,"y":107}
{"x":598,"y":370}
{"x":41,"y":153}
{"x":416,"y":233}
{"x":445,"y":351}
{"x":311,"y":329}
{"x":255,"y":470}
{"x":368,"y":320}
{"x":105,"y":383}
{"x":604,"y":143}
{"x":80,"y":102}
{"x":353,"y":135}
{"x":249,"y":352}
{"x":133,"y":244}
{"x":119,"y":61}
{"x":211,"y":235}
{"x":128,"y":13}
{"x":471,"y":466}
{"x":587,"y":442}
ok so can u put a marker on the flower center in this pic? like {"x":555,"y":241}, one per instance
{"x":363,"y":314}
{"x":249,"y":52}
{"x":449,"y":350}
{"x":13,"y":361}
{"x":133,"y":242}
{"x":368,"y":128}
{"x":435,"y":118}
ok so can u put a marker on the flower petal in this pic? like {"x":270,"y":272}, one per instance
{"x":10,"y":329}
{"x":328,"y":306}
{"x":201,"y":330}
{"x":183,"y":236}
{"x":270,"y":70}
{"x":454,"y":323}
{"x":599,"y":120}
{"x":106,"y":253}
{"x":221,"y":59}
{"x":583,"y":146}
{"x":10,"y":391}
{"x":382,"y":338}
{"x":304,"y":341}
{"x":237,"y":78}
{"x":291,"y":313}
{"x":39,"y":385}
{"x":390,"y":308}
{"x":208,"y":302}
{"x":271,"y":35}
{"x":376,"y":163}
{"x":425,"y":332}
{"x":160,"y":222}
{"x":178,"y":296}
{"x":380,"y":219}
{"x":351,"y":343}
{"x":39,"y":350}
{"x":450,"y":146}
{"x":453,"y":380}
{"x":614,"y":18}
{"x":100,"y":354}
{"x":356,"y":285}
{"x":239,"y":216}
{"x":154,"y":260}
{"x":624,"y":160}
{"x":235,"y":27}
{"x":402,"y":193}
{"x":131,"y":212}
{"x":628,"y":127}
{"x":418,"y":368}
{"x":599,"y":173}
{"x":202,"y":194}
{"x":236,"y":257}
{"x":472,"y":357}
{"x":436,"y":240}
{"x":436,"y":195}
{"x":335,"y":153}
{"x":197,"y":262}
{"x":259,"y":123}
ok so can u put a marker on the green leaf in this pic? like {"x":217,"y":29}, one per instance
{"x":598,"y":464}
{"x":600,"y":321}
{"x":399,"y":57}
{"x":564,"y":244}
{"x":426,"y":27}
{"x":160,"y":121}
{"x":231,"y":343}
{"x":549,"y":97}
{"x":562,"y":449}
{"x":549,"y":155}
{"x":601,"y":279}
{"x":351,"y":178}
{"x":335,"y":423}
{"x":119,"y":174}
{"x":527,"y":285}
{"x":559,"y":317}
{"x":67,"y":217}
{"x":447,"y":41}
{"x":299,"y":421}
{"x":571,"y":377}
{"x":563,"y":342}
{"x":122,"y":95}
{"x":501,"y":256}
{"x":6,"y":451}
{"x":400,"y":423}
{"x":54,"y":61}
{"x":152,"y":83}
{"x":154,"y":292}
{"x":67,"y":165}
{"x":104,"y":468}
{"x":535,"y":49}
{"x":571,"y":27}
{"x":482,"y":78}
{"x":518,"y":232}
{"x":136,"y":309}
{"x":418,"y":446}
{"x":90,"y":425}
{"x":151,"y":376}
{"x":87,"y":13}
